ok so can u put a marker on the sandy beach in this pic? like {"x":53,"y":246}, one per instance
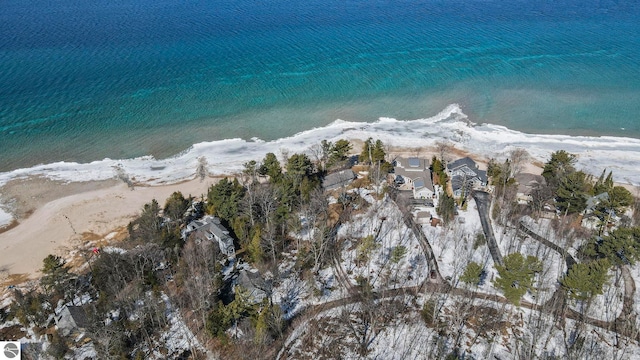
{"x":65,"y":208}
{"x":61,"y":219}
{"x":69,"y":218}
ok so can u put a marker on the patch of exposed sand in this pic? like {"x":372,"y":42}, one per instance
{"x":56,"y":217}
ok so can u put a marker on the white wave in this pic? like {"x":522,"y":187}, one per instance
{"x":622,"y":155}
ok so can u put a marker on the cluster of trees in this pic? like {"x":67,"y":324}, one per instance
{"x":261,"y":213}
{"x":572,"y":187}
{"x":620,"y":247}
{"x":446,"y":207}
{"x":128,"y":312}
{"x":438,"y":171}
{"x":502,"y":176}
{"x":332,"y":155}
{"x":374,"y":154}
{"x":599,"y":254}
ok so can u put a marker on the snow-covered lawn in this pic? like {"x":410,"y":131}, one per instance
{"x":392,"y":257}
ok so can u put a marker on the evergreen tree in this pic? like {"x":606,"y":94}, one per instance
{"x":271,"y":167}
{"x":515,"y":278}
{"x":585,"y":280}
{"x":338,"y":152}
{"x":446,"y":207}
{"x":619,"y":198}
{"x":175,"y":206}
{"x":224,"y":197}
{"x":299,"y":166}
{"x":365,"y":156}
{"x":438,"y":171}
{"x":378,"y":154}
{"x":372,"y":152}
{"x":325,"y":148}
{"x":55,"y":275}
{"x":572,"y":192}
{"x":472,"y":274}
{"x":601,"y":185}
{"x":558,"y":167}
{"x":620,"y":247}
{"x":148,"y":226}
{"x":218,"y":321}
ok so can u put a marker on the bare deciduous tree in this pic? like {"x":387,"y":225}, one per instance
{"x":444,"y":148}
{"x":519,"y":158}
{"x":200,"y":276}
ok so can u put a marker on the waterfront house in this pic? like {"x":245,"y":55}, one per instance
{"x":465,"y":176}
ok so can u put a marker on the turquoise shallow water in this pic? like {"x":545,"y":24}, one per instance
{"x":80,"y":81}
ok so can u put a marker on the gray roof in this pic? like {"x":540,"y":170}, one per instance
{"x":255,"y":285}
{"x":414,"y":162}
{"x":211,"y":228}
{"x":593,"y":201}
{"x":72,"y":318}
{"x":528,"y":181}
{"x":79,"y":316}
{"x":466,"y":161}
{"x":482,"y":175}
{"x":338,"y":179}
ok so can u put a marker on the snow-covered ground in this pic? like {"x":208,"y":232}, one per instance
{"x":395,"y":257}
{"x":489,"y":331}
{"x":177,"y":338}
{"x":453,"y":244}
{"x":635,"y":273}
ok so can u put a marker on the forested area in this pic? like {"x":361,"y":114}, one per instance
{"x":356,"y":249}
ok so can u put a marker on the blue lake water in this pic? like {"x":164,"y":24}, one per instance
{"x":85,"y":80}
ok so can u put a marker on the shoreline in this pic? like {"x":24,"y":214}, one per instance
{"x":96,"y":203}
{"x":65,"y":221}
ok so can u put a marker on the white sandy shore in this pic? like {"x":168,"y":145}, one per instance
{"x":92,"y":213}
{"x":96,"y":206}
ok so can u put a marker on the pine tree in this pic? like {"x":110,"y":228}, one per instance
{"x":446,"y":207}
{"x":271,"y":167}
{"x":620,"y":247}
{"x":571,"y":193}
{"x":175,"y":206}
{"x":55,"y":275}
{"x":558,"y":167}
{"x":338,"y":152}
{"x":515,"y":278}
{"x":585,"y":280}
{"x":472,"y":274}
{"x":224,"y":197}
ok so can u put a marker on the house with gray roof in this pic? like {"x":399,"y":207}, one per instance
{"x":210,"y":228}
{"x":416,"y":175}
{"x":465,"y":175}
{"x":71,"y":319}
{"x":338,"y":179}
{"x":256,"y":287}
